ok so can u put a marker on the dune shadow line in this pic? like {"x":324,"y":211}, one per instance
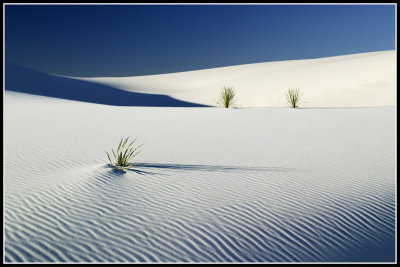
{"x":26,"y":80}
{"x":199,"y":167}
{"x":118,"y":172}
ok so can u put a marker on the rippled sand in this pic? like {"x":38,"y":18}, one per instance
{"x":212,"y":185}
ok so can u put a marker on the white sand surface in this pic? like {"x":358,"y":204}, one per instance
{"x":357,"y":80}
{"x":212,"y":184}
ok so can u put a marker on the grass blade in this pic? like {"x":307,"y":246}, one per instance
{"x":226,"y":97}
{"x":293,"y":97}
{"x":124,"y":154}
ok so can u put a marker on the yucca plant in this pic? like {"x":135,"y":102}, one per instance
{"x":293,"y":97}
{"x":122,"y":157}
{"x":226,"y":97}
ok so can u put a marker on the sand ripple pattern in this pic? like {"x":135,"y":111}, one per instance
{"x":106,"y":217}
{"x":200,"y":199}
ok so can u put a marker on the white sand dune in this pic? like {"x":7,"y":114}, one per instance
{"x":357,"y":80}
{"x":212,"y":185}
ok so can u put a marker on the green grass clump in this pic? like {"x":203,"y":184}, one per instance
{"x":226,"y":97}
{"x":293,"y":97}
{"x":122,"y":157}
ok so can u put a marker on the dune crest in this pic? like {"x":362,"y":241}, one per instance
{"x":357,"y":80}
{"x":25,"y":80}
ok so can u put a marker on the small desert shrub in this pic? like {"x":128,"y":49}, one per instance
{"x":226,"y":97}
{"x":122,"y":157}
{"x":293,"y":97}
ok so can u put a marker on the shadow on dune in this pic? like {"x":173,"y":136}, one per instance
{"x":26,"y":80}
{"x":190,"y":167}
{"x":118,"y":172}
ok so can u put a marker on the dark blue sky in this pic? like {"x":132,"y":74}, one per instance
{"x":121,"y":40}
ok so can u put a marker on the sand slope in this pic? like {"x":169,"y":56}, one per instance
{"x":213,"y":185}
{"x":366,"y":79}
{"x":26,"y":80}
